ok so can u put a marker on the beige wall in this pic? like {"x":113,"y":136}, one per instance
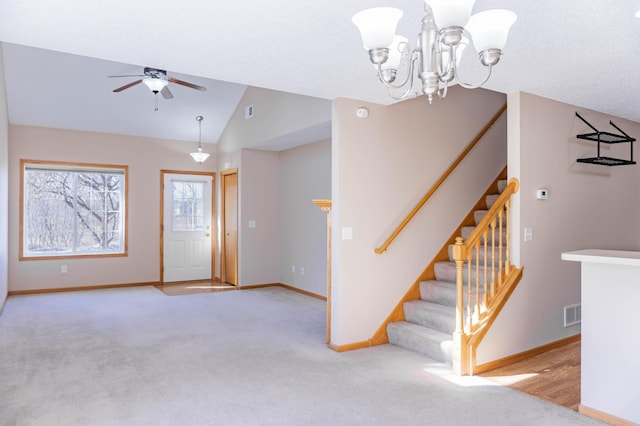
{"x":4,"y":187}
{"x":305,"y":174}
{"x":145,"y":158}
{"x":259,"y":249}
{"x":276,"y":189}
{"x":276,"y":114}
{"x":382,"y":166}
{"x":589,"y":206}
{"x":272,"y":180}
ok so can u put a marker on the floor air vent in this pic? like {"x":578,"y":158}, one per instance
{"x":572,"y":315}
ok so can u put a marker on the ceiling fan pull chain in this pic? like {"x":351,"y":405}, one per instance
{"x":156,"y":97}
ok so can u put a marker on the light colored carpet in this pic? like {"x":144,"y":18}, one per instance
{"x":137,"y":357}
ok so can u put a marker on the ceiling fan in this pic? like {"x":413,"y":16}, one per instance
{"x":157,"y":81}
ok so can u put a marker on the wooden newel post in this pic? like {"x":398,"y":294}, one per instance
{"x":460,"y":356}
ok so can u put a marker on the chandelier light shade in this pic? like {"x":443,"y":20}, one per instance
{"x":446,"y":29}
{"x":199,"y":156}
{"x":155,"y":84}
{"x":490,"y":29}
{"x":447,"y":13}
{"x":377,"y":26}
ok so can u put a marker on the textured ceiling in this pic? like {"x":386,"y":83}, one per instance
{"x":563,"y":50}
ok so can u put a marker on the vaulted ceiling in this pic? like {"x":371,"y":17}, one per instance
{"x":58,"y":56}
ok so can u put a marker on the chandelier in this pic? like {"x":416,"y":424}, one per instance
{"x":199,"y":156}
{"x":446,"y":26}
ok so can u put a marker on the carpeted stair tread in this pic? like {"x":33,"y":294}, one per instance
{"x":434,"y":344}
{"x":430,"y":321}
{"x":432,"y":315}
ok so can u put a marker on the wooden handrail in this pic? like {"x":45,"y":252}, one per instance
{"x":476,"y":234}
{"x":435,"y":187}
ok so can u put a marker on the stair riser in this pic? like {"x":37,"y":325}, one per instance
{"x":435,"y":292}
{"x":478,"y":215}
{"x":491,"y":236}
{"x":491,"y":200}
{"x":446,"y":271}
{"x":427,"y":318}
{"x":437,"y":350}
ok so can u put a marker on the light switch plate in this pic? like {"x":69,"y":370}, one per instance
{"x":347,"y":233}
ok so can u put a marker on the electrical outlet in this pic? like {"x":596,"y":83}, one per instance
{"x":293,"y":269}
{"x":63,"y":269}
{"x":301,"y":271}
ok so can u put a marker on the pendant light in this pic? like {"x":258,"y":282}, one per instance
{"x":199,"y":156}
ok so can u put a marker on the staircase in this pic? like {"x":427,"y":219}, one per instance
{"x":430,"y":321}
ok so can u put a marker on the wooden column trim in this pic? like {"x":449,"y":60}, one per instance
{"x":325,"y":206}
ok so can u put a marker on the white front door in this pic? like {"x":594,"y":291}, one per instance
{"x":187,"y":227}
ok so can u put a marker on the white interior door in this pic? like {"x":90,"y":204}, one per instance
{"x":187,"y":227}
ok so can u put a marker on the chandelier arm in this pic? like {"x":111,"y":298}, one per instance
{"x":404,"y":95}
{"x":471,"y":86}
{"x":439,"y":62}
{"x":408,"y":77}
{"x":442,"y":93}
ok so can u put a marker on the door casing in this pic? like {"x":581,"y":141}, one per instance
{"x":213,"y":215}
{"x":230,"y":276}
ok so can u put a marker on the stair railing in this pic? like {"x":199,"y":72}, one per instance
{"x":435,"y":187}
{"x":482,"y":286}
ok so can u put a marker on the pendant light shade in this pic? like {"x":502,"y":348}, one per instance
{"x":199,"y":156}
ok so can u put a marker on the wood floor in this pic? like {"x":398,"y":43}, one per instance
{"x":553,"y":375}
{"x":191,"y":287}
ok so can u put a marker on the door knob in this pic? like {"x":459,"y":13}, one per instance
{"x":207,"y":234}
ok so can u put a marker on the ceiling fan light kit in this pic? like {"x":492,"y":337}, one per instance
{"x":155,"y":84}
{"x":199,"y":156}
{"x":446,"y":26}
{"x":157,"y":81}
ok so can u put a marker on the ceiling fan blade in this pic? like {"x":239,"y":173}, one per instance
{"x":184,"y":83}
{"x":132,"y":75}
{"x":166,"y":93}
{"x":126,"y":86}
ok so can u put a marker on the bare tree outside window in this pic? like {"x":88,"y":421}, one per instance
{"x":188,"y":206}
{"x":71,"y":212}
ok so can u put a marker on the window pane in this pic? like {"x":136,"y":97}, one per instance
{"x":188,"y":206}
{"x":70,"y":212}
